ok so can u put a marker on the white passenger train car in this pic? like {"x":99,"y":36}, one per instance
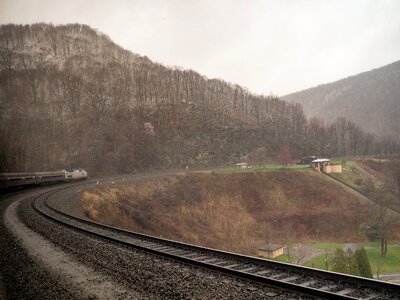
{"x":75,"y":174}
{"x":10,"y":180}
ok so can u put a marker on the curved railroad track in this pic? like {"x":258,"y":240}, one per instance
{"x":304,"y":280}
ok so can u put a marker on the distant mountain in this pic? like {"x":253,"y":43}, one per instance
{"x":370,"y":99}
{"x":71,"y":97}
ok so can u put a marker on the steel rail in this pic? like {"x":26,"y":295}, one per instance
{"x":324,"y":284}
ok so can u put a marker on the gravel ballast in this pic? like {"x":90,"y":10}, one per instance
{"x":148,"y":275}
{"x":84,"y":281}
{"x":21,"y":276}
{"x":135,"y":273}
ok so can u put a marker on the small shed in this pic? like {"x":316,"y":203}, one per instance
{"x":242,"y":165}
{"x":271,"y":250}
{"x":323,"y":165}
{"x":318,"y":164}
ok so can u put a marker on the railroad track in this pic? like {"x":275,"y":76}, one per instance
{"x":305,"y":280}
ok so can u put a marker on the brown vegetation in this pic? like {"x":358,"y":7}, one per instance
{"x":70,"y":97}
{"x":380,"y":168}
{"x":385,"y":174}
{"x":236,"y":212}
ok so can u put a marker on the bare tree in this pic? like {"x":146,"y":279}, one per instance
{"x":301,"y":251}
{"x":110,"y":110}
{"x":284,"y":155}
{"x":382,"y":196}
{"x":379,"y":266}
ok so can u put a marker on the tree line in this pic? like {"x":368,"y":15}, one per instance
{"x":71,"y":97}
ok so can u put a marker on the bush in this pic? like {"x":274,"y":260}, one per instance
{"x":352,"y":263}
{"x":363,"y":265}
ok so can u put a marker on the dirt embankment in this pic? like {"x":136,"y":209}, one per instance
{"x":236,"y":212}
{"x":385,"y":175}
{"x":384,"y":170}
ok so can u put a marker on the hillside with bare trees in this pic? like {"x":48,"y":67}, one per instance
{"x":370,"y":99}
{"x":70,"y":97}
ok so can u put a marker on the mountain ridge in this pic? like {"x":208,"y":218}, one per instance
{"x":371,"y":99}
{"x":70,"y":96}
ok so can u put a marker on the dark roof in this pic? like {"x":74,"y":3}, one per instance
{"x":271,"y":247}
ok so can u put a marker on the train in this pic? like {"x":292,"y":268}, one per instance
{"x":16,"y":180}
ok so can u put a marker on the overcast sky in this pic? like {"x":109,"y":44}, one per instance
{"x":267,"y":46}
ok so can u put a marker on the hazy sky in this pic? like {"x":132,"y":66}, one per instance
{"x":267,"y":46}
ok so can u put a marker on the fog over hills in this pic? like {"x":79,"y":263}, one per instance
{"x":370,"y":99}
{"x":71,"y":97}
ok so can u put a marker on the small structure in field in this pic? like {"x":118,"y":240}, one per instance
{"x":271,"y":250}
{"x":242,"y":165}
{"x":323,"y":165}
{"x":318,"y":164}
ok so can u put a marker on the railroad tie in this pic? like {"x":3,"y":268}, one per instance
{"x":190,"y":254}
{"x":200,"y":258}
{"x":261,"y":273}
{"x":308,"y":283}
{"x":221,"y":262}
{"x":210,"y":260}
{"x":232,"y":266}
{"x":161,"y":248}
{"x":346,"y":291}
{"x":291,"y":278}
{"x":327,"y":287}
{"x":247,"y":270}
{"x":370,"y":297}
{"x":175,"y":251}
{"x":277,"y":275}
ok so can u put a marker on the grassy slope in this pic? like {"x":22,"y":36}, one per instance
{"x":362,"y":173}
{"x":356,"y":175}
{"x":265,"y":168}
{"x":236,"y":212}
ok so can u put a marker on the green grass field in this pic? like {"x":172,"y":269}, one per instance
{"x":264,"y":168}
{"x":391,"y":263}
{"x":285,"y":258}
{"x":354,"y":175}
{"x":319,"y":262}
{"x":351,"y":175}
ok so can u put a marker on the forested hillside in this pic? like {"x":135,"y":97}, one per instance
{"x":370,"y":99}
{"x":70,"y":97}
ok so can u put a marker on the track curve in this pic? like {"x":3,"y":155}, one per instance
{"x":299,"y":279}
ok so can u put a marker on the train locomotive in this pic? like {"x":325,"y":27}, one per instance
{"x":14,"y":180}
